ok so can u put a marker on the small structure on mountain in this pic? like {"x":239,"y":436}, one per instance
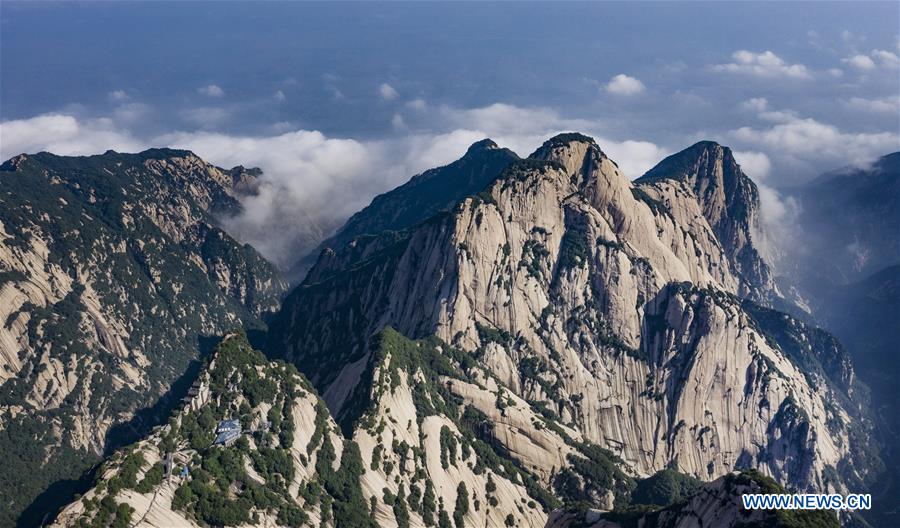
{"x":227,"y":432}
{"x":228,"y":425}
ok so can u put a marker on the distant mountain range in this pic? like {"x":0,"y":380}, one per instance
{"x":502,"y":341}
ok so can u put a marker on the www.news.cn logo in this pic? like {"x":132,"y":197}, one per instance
{"x":810,"y":501}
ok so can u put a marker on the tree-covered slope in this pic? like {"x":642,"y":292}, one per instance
{"x":435,"y":440}
{"x":113,"y":277}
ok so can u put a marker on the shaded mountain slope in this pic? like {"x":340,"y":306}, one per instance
{"x":421,"y":197}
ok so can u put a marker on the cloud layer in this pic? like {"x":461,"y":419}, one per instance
{"x":766,"y":64}
{"x":312,"y":182}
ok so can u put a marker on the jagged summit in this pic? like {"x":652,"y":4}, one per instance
{"x":581,"y":158}
{"x":701,"y":161}
{"x":715,"y":177}
{"x":566,"y":145}
{"x":728,"y":199}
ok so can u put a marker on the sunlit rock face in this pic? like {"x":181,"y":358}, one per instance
{"x":619,"y":306}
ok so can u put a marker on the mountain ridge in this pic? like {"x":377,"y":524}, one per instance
{"x":536,"y":351}
{"x":422,"y":196}
{"x":524,"y":259}
{"x":113,"y":272}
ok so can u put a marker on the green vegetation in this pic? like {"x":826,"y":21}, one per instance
{"x":665,"y":487}
{"x":448,"y":447}
{"x":658,"y":207}
{"x":152,"y":478}
{"x":349,"y":508}
{"x":219,"y":492}
{"x":401,"y":513}
{"x":462,"y":505}
{"x":783,"y":518}
{"x":592,"y":475}
{"x":534,"y":258}
{"x":575,"y":248}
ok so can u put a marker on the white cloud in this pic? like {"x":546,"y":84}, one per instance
{"x":118,"y":95}
{"x":397,"y":122}
{"x":211,"y":90}
{"x":755,"y":164}
{"x":207,"y":116}
{"x":765,"y":64}
{"x":779,"y":219}
{"x":760,"y":106}
{"x":335,"y":93}
{"x":417,"y":104}
{"x":128,"y":113}
{"x":279,"y":96}
{"x":778,"y":116}
{"x":886,"y":58}
{"x":634,"y":158}
{"x":801,"y":141}
{"x":885,"y":105}
{"x":312,"y":182}
{"x":622,"y":84}
{"x":875,"y":59}
{"x":756,"y":104}
{"x":64,"y":135}
{"x":387,"y":92}
{"x":860,"y":62}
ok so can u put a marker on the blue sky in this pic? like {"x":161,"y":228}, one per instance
{"x":339,"y":101}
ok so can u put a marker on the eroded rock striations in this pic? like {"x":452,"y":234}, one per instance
{"x":559,"y":347}
{"x":615,"y":305}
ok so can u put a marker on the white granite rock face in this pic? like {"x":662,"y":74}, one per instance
{"x":578,"y":267}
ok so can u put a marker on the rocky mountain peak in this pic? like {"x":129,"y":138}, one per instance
{"x":576,"y":152}
{"x":423,"y":196}
{"x":729,"y":201}
{"x":479,"y":146}
{"x":715,"y":177}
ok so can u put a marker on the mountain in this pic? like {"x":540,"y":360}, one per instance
{"x":695,"y":510}
{"x":627,"y":311}
{"x":439,"y":443}
{"x":848,"y":223}
{"x":421,"y":197}
{"x":560,"y":348}
{"x":729,"y":201}
{"x":438,"y":439}
{"x":865,"y":316}
{"x":845,"y":262}
{"x":114,"y":278}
